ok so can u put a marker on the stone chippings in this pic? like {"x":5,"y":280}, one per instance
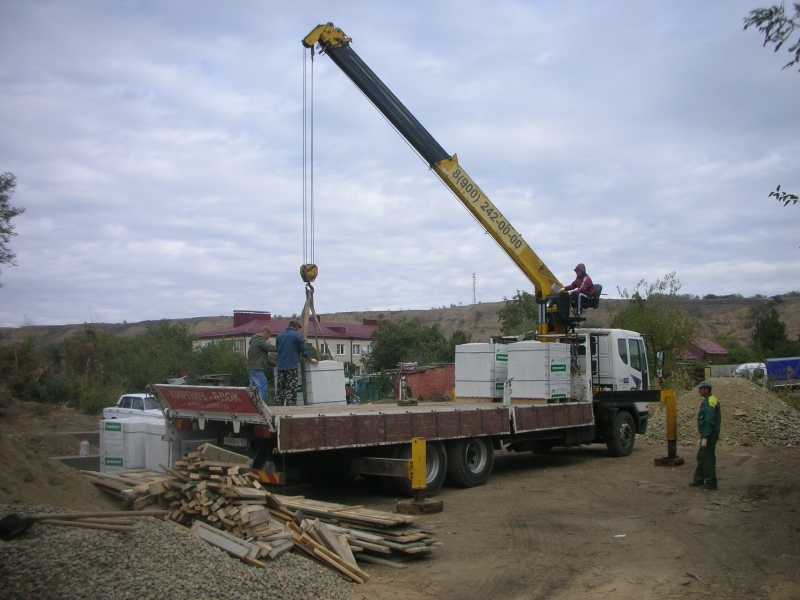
{"x":751,"y":416}
{"x":161,"y":560}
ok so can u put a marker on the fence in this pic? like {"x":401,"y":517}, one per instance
{"x":722,"y":370}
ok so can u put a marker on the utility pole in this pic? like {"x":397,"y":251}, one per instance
{"x":474,"y":301}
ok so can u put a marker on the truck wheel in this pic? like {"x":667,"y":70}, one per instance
{"x":621,"y":435}
{"x":470,"y":461}
{"x":435,"y":469}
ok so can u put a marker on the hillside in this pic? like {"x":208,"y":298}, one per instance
{"x":731,"y":317}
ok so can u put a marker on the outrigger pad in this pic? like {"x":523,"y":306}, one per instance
{"x":669,"y":462}
{"x":417,"y":507}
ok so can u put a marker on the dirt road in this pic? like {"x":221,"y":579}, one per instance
{"x":545,"y":527}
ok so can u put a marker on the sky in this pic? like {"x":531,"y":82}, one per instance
{"x":158,"y":151}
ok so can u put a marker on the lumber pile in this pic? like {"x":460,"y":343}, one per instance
{"x":213,"y":492}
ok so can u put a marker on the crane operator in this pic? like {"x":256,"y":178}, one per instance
{"x":579,"y":289}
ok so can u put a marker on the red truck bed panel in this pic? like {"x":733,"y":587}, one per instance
{"x":552,"y":416}
{"x":377,"y":424}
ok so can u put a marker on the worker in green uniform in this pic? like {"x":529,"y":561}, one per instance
{"x":709,"y":420}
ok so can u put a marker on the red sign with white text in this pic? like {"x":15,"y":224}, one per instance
{"x":208,"y":399}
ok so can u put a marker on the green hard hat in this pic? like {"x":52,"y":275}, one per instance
{"x":704,"y":383}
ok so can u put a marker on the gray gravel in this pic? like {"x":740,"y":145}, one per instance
{"x":161,"y":560}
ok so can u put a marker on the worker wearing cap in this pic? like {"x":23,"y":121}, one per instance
{"x":709,"y":420}
{"x":258,"y":349}
{"x":581,"y":288}
{"x":291,"y":346}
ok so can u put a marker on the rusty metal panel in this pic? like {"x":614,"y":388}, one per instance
{"x":525,"y":419}
{"x":545,"y":414}
{"x":370,"y":429}
{"x":340,"y":431}
{"x":561,"y":415}
{"x":307,"y":433}
{"x":447,"y":424}
{"x":398,"y":427}
{"x":495,"y":421}
{"x":588,"y":413}
{"x":470,"y":423}
{"x":424,"y":425}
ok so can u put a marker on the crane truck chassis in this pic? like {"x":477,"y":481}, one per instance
{"x":328,"y":442}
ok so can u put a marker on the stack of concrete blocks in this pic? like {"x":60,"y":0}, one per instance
{"x":481,"y":371}
{"x":540,"y":372}
{"x":325,"y":383}
{"x":134,"y":443}
{"x":122,"y":444}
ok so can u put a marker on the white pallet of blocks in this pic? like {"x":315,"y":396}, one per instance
{"x":540,"y":371}
{"x":481,"y":370}
{"x":122,"y":444}
{"x":325,"y":383}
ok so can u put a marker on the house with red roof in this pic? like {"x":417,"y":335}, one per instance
{"x":346,"y":342}
{"x":704,"y":350}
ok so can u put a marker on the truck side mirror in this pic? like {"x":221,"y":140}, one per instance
{"x":659,"y":364}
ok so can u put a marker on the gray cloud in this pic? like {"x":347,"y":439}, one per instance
{"x":158,"y":152}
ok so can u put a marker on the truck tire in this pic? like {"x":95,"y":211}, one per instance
{"x":470,"y":461}
{"x":435,"y":469}
{"x":621,"y":435}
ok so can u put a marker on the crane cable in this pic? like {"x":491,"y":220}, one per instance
{"x":308,"y":272}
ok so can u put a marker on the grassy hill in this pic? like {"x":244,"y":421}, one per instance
{"x":732,"y":318}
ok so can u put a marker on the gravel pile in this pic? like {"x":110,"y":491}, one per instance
{"x":161,"y":560}
{"x":751,"y":416}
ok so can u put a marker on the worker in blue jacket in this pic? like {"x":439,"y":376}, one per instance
{"x":709,"y":421}
{"x":291,"y":346}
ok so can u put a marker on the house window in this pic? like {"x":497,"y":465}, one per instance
{"x":323,"y":349}
{"x":237,"y":346}
{"x":356,"y":349}
{"x":340,"y":349}
{"x":368,"y":349}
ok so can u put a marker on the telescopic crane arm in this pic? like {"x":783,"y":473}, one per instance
{"x":333,"y":42}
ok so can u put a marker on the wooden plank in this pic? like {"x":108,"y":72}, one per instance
{"x":380,"y":561}
{"x":371,"y":547}
{"x":280,"y":549}
{"x":333,"y":542}
{"x":346,"y":548}
{"x":225,"y":541}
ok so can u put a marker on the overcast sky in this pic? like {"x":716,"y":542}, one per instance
{"x":158,"y":151}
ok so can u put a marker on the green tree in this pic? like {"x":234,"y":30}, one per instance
{"x":653,"y":310}
{"x":519,"y":315}
{"x":777,"y":27}
{"x":770,"y":338}
{"x":8,"y":184}
{"x":220,"y":358}
{"x":406,"y":341}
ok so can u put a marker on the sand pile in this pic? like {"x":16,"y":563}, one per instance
{"x":751,"y":416}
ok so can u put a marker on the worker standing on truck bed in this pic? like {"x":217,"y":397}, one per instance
{"x":581,"y":288}
{"x":291,"y":346}
{"x":258,"y":349}
{"x":709,"y":421}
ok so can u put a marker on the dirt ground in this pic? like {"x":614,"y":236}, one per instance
{"x":543,"y":526}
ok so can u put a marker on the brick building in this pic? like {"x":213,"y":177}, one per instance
{"x":427,"y":381}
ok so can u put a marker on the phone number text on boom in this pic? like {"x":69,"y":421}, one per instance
{"x":471,"y":191}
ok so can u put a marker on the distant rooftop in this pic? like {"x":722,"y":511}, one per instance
{"x":250,"y":322}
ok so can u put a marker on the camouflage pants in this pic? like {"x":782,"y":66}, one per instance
{"x":286,"y":394}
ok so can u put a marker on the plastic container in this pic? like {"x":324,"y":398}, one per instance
{"x":84,"y":451}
